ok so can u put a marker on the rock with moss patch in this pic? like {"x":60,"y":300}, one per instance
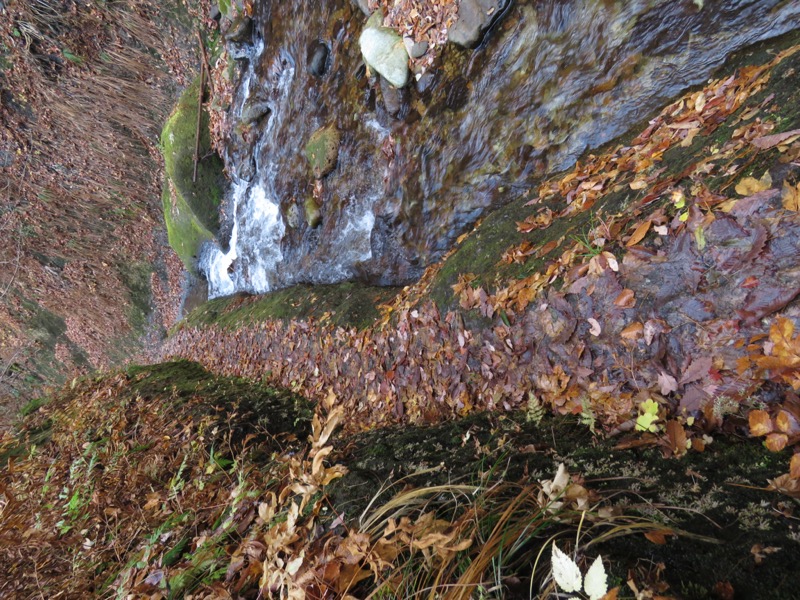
{"x":322,"y":150}
{"x":385,"y":52}
{"x":191,"y":207}
{"x":313,"y":213}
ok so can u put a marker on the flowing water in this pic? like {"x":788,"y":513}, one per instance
{"x":551,"y":79}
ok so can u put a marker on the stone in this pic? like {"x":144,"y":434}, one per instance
{"x":313,"y":213}
{"x":385,"y":52}
{"x":322,"y":150}
{"x":474,"y":18}
{"x":254,"y":110}
{"x":392,"y":97}
{"x":317,"y":58}
{"x":415,"y":49}
{"x":293,"y":215}
{"x":240,"y":30}
{"x":363,"y":5}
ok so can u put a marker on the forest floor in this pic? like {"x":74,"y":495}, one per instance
{"x":608,"y":365}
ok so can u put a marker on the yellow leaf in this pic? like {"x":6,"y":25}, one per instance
{"x":638,"y":184}
{"x":790,"y":198}
{"x":776,"y":442}
{"x":794,"y":466}
{"x":750,"y":185}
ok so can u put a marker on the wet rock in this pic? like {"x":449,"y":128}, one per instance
{"x":240,"y":30}
{"x":425,"y":82}
{"x":415,"y":49}
{"x":363,"y":5}
{"x":474,"y":18}
{"x":385,"y":52}
{"x":246,"y":169}
{"x":313,"y":214}
{"x":317,"y":58}
{"x":293,"y":216}
{"x":322,"y":150}
{"x":392,"y":98}
{"x":254,"y":110}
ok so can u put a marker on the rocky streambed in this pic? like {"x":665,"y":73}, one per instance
{"x":337,"y":174}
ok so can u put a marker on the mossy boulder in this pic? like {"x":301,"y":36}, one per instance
{"x":322,"y":150}
{"x":191,"y":208}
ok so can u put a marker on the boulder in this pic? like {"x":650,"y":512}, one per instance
{"x":385,"y":52}
{"x":474,"y":18}
{"x":322,"y":150}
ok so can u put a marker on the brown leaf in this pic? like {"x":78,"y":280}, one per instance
{"x":638,"y":184}
{"x":794,"y":466}
{"x":612,"y":594}
{"x":766,"y":142}
{"x":760,"y":423}
{"x":638,"y":234}
{"x":697,"y":370}
{"x":626,"y":299}
{"x":785,"y":485}
{"x":667,"y":382}
{"x":633,"y":331}
{"x":676,"y":435}
{"x":659,"y":536}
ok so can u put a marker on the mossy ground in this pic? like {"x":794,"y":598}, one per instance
{"x":347,"y":304}
{"x":190,"y":207}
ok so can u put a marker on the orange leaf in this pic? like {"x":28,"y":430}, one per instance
{"x":677,"y":437}
{"x":786,"y":423}
{"x":611,"y":594}
{"x":626,"y":299}
{"x":776,"y":442}
{"x":658,"y":536}
{"x":639,"y":234}
{"x":794,"y":466}
{"x":633,"y":331}
{"x":760,"y":423}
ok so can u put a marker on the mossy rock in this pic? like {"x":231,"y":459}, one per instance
{"x":190,"y":207}
{"x":322,"y":150}
{"x":312,"y":212}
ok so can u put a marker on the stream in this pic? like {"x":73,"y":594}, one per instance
{"x":417,"y":167}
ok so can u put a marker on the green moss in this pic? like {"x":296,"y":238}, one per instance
{"x":322,"y":150}
{"x":347,"y":304}
{"x":190,"y":207}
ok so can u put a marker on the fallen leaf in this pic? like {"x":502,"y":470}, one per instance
{"x":667,"y":382}
{"x":638,"y":234}
{"x":626,"y":299}
{"x":766,"y":142}
{"x":776,"y":442}
{"x":676,"y":435}
{"x":638,"y":184}
{"x":760,"y":552}
{"x":794,"y":466}
{"x":596,"y":329}
{"x":790,"y":197}
{"x":760,"y":423}
{"x":632,"y":332}
{"x":659,"y":536}
{"x":750,"y":185}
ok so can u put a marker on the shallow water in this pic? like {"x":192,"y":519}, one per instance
{"x":551,"y":79}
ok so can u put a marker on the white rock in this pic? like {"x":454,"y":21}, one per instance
{"x":385,"y":52}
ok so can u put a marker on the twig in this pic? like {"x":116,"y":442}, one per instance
{"x":199,"y":106}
